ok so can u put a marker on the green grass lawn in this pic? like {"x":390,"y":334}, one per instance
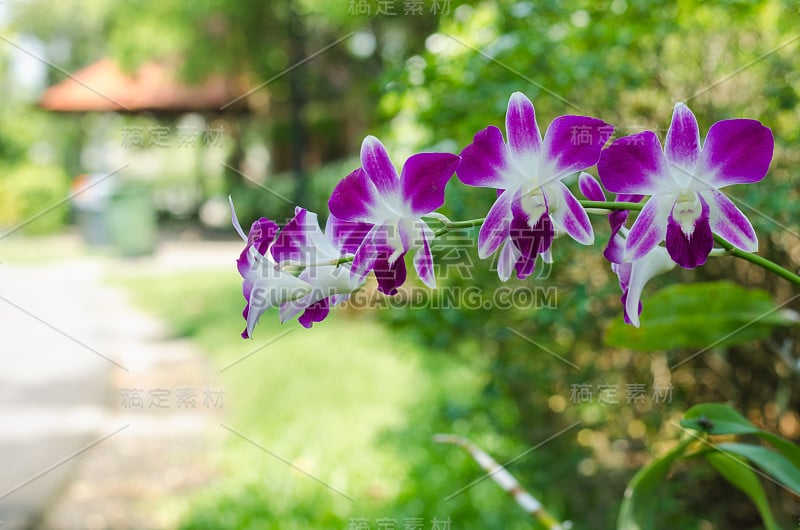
{"x":349,"y":401}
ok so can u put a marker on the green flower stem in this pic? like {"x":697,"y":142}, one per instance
{"x":603,"y":207}
{"x":342,"y":260}
{"x":295,"y":267}
{"x":762,"y":262}
{"x":449,"y":226}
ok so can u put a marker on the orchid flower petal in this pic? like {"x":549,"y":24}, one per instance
{"x":616,"y":220}
{"x":423,"y":260}
{"x":628,"y":197}
{"x":655,"y":262}
{"x":634,"y":164}
{"x":339,"y":299}
{"x":262,"y":234}
{"x":570,"y":216}
{"x":573,"y":143}
{"x":494,"y":229}
{"x":380,"y":254}
{"x":590,"y":187}
{"x":729,"y":222}
{"x":484,"y":162}
{"x":623,"y":272}
{"x":682,"y":145}
{"x":271,"y":288}
{"x":424,"y":178}
{"x":735,"y":152}
{"x":615,"y":250}
{"x":650,"y":227}
{"x":355,"y":198}
{"x":289,"y":310}
{"x":508,"y":257}
{"x":365,"y":256}
{"x":235,"y":221}
{"x":378,"y":166}
{"x":292,"y":242}
{"x":346,"y":236}
{"x":524,"y":138}
{"x":316,"y":312}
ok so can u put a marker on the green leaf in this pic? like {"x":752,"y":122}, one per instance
{"x":736,"y":471}
{"x":716,"y":418}
{"x":698,"y":315}
{"x":787,"y":448}
{"x":772,"y":463}
{"x":637,"y":511}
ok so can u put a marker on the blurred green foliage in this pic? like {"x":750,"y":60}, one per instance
{"x":272,"y":198}
{"x":699,"y":314}
{"x":26,"y":191}
{"x":32,"y":177}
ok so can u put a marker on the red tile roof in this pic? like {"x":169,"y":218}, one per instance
{"x":103,"y":86}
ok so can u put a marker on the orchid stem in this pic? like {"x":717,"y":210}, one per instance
{"x":603,"y":207}
{"x":762,"y":262}
{"x":449,"y":226}
{"x":606,"y":205}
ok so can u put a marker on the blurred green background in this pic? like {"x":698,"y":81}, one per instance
{"x":358,"y":397}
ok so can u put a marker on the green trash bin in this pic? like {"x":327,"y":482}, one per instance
{"x":90,"y":196}
{"x":132,"y":221}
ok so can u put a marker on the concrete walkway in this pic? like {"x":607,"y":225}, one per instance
{"x":74,"y":359}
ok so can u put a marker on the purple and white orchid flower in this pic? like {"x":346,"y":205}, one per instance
{"x":632,"y":275}
{"x":393,"y":206}
{"x":264,"y":284}
{"x":272,"y":256}
{"x":685,"y":207}
{"x":301,"y":244}
{"x":527,"y":171}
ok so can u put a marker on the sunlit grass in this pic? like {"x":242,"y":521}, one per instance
{"x":333,"y":401}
